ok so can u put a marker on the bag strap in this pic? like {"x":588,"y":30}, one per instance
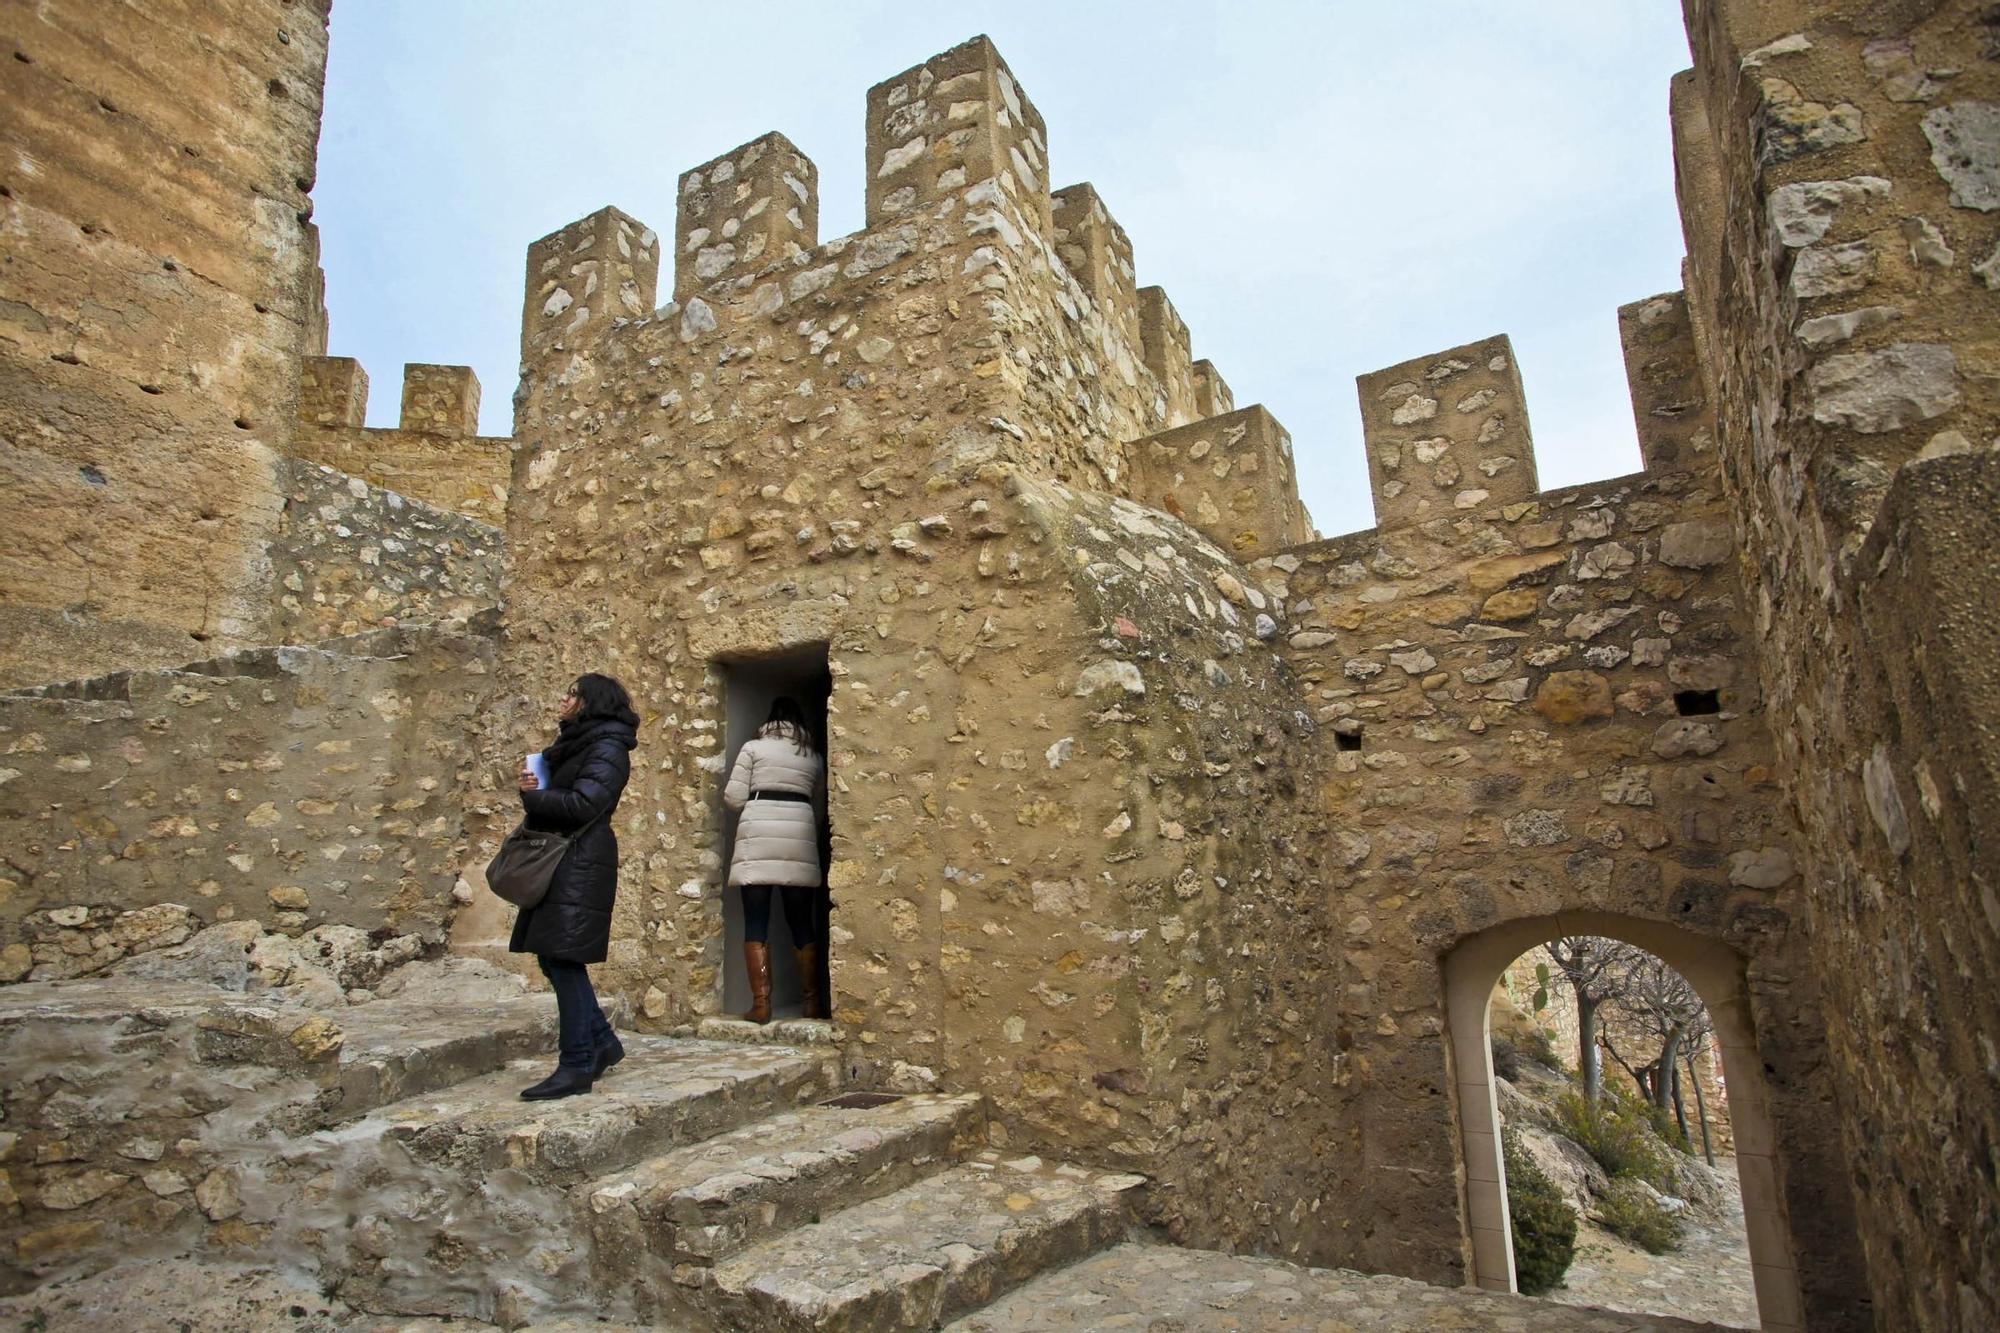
{"x":582,"y":829}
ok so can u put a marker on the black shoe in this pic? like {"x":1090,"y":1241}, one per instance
{"x":606,"y":1056}
{"x":565,"y":1082}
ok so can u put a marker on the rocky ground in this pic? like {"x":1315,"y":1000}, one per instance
{"x":1126,"y":1287}
{"x":1707,"y":1278}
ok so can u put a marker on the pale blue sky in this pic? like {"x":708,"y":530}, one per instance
{"x":1322,"y":189}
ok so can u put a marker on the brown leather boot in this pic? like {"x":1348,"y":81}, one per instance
{"x":815,"y":1000}
{"x":757,"y":962}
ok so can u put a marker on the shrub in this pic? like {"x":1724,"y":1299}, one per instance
{"x":1544,"y":1224}
{"x":1506,"y":1058}
{"x":1617,"y":1132}
{"x":1630,"y":1210}
{"x":1509,"y":1049}
{"x":1542,"y":1050}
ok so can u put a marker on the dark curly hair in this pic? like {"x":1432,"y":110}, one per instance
{"x":603,"y":696}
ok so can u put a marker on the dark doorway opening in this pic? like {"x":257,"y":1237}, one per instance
{"x":749,"y":685}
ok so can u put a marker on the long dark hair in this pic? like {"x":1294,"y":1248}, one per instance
{"x":603,"y":696}
{"x":787,"y":719}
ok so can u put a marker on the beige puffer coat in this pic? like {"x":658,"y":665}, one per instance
{"x":777,"y":842}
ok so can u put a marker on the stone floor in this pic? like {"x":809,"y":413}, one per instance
{"x":1147,"y":1287}
{"x":1139,"y":1287}
{"x":1708,"y":1277}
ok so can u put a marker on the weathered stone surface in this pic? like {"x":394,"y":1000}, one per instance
{"x":1696,"y":545}
{"x":1569,"y":697}
{"x":926,"y":1253}
{"x":1886,"y":390}
{"x":699,"y":1204}
{"x":153,"y":320}
{"x":1965,"y":149}
{"x":1152,"y":1286}
{"x":361,"y":826}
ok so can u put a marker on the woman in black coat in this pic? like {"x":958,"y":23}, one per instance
{"x":571,"y":927}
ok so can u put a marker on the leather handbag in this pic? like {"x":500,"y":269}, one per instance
{"x":521,"y":870}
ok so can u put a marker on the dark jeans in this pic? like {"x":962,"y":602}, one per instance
{"x":803,"y":913}
{"x":581,"y":1028}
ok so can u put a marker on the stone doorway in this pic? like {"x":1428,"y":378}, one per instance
{"x":749,"y":685}
{"x":1474,"y":967}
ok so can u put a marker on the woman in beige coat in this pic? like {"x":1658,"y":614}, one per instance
{"x":775,"y":788}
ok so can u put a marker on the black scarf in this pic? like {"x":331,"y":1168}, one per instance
{"x":578,"y":734}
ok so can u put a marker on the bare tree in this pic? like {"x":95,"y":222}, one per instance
{"x":1658,"y":1001}
{"x":1591,"y":965}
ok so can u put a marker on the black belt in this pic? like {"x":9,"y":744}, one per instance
{"x":780,"y":796}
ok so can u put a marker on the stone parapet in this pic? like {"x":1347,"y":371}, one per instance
{"x":1230,"y":477}
{"x":754,"y":206}
{"x":584,"y":278}
{"x":440,"y":400}
{"x":436,"y":456}
{"x":1098,"y":254}
{"x":1670,"y":404}
{"x":1447,"y":433}
{"x":333,"y":392}
{"x":955,"y":121}
{"x":1164,"y":337}
{"x":1212,"y":397}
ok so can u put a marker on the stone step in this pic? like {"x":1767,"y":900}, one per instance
{"x":691,"y":1207}
{"x":370,"y":1055}
{"x":1135,"y":1286}
{"x":459,"y":1201}
{"x":926,"y":1253}
{"x":318,"y":1065}
{"x":668,"y":1092}
{"x":779,"y":1031}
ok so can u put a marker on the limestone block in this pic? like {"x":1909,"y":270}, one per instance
{"x":333,"y":391}
{"x":742,"y":212}
{"x":441,"y":400}
{"x":950,"y":123}
{"x":1230,"y":477}
{"x":1447,"y":432}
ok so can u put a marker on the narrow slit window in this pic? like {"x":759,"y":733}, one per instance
{"x":1694,"y":703}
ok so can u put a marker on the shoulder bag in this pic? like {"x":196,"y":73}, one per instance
{"x":521,"y":870}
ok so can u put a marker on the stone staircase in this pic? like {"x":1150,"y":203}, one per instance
{"x":381,"y":1150}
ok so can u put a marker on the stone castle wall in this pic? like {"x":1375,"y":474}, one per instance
{"x":296,"y":787}
{"x":1154,"y":818}
{"x":1053,"y":726}
{"x":1544,"y":701}
{"x":159,"y":288}
{"x":1839,"y":170}
{"x":435,"y":454}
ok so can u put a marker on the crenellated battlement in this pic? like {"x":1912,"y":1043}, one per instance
{"x":1447,"y":433}
{"x":955,"y":120}
{"x":957,"y":170}
{"x":434,"y":454}
{"x":1098,"y":254}
{"x":742,"y":212}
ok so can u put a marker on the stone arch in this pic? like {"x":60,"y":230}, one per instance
{"x":1717,"y":972}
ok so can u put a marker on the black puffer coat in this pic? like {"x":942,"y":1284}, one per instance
{"x":588,"y":767}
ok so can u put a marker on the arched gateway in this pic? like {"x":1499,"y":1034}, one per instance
{"x":1717,"y":972}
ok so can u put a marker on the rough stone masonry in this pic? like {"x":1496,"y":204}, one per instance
{"x":1158,"y":820}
